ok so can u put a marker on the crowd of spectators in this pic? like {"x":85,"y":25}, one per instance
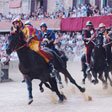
{"x":3,"y":41}
{"x":83,"y":10}
{"x":71,"y":43}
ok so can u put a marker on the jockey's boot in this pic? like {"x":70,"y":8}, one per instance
{"x":88,"y":68}
{"x":52,"y":69}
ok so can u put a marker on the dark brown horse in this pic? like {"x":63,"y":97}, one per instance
{"x":33,"y":66}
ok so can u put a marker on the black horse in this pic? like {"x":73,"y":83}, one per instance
{"x":33,"y":66}
{"x":64,"y":60}
{"x":98,"y":61}
{"x":108,"y":50}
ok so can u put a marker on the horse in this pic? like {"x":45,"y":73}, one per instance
{"x":33,"y":66}
{"x":64,"y":58}
{"x":98,"y":61}
{"x":108,"y":50}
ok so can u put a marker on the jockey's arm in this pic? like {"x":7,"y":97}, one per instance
{"x":26,"y":34}
{"x":51,"y":38}
{"x":107,"y":36}
{"x":84,"y":34}
{"x":93,"y":36}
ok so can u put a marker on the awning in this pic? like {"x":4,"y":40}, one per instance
{"x":15,"y":4}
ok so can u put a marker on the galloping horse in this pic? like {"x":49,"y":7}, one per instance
{"x":98,"y":61}
{"x":33,"y":66}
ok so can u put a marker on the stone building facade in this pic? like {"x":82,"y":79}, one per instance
{"x":28,"y":6}
{"x":15,"y":6}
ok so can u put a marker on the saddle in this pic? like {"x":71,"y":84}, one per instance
{"x":54,"y":55}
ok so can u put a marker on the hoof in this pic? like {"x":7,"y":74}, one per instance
{"x":62,"y":98}
{"x":95,"y":82}
{"x":42,"y":90}
{"x":82,"y":90}
{"x":30,"y":101}
{"x":60,"y":101}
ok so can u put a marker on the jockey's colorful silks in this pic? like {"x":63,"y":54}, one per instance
{"x":34,"y":44}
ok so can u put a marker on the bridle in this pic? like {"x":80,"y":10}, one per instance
{"x":16,"y":49}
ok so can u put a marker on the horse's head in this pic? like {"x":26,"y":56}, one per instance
{"x":99,"y":40}
{"x":14,"y":42}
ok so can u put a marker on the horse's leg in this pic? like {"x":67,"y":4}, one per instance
{"x":46,"y":84}
{"x":110,"y":80}
{"x":85,"y":76}
{"x":41,"y":88}
{"x":67,"y":74}
{"x":54,"y":87}
{"x":29,"y":88}
{"x":83,"y":66}
{"x":95,"y":80}
{"x":106,"y":74}
{"x":58,"y":77}
{"x":102,"y":79}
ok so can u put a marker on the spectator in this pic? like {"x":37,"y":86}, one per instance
{"x":82,"y":10}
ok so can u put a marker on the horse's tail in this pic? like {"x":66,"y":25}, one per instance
{"x":60,"y":61}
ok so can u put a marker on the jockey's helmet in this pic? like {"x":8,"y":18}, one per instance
{"x":16,"y":20}
{"x":101,"y":25}
{"x":43,"y":25}
{"x":28,"y":22}
{"x":89,"y":23}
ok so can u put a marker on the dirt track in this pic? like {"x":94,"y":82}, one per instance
{"x":13,"y":95}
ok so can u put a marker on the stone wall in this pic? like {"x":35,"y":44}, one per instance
{"x":5,"y":9}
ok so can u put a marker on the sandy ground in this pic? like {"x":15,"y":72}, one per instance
{"x":13,"y":95}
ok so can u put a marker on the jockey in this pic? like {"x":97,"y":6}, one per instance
{"x":48,"y":36}
{"x":88,"y":36}
{"x":30,"y":37}
{"x":102,"y":30}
